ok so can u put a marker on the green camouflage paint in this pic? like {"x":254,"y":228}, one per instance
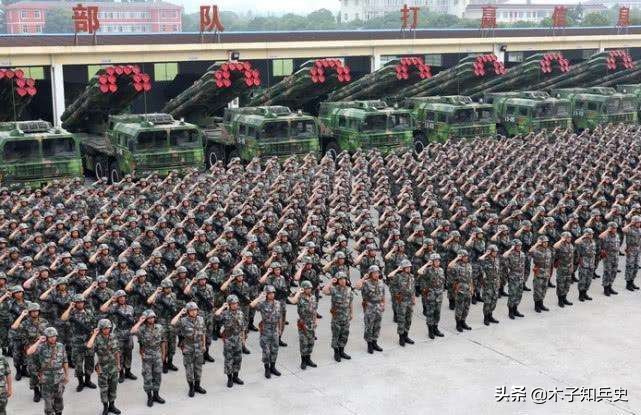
{"x":596,"y":106}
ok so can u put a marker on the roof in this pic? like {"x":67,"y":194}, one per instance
{"x":104,"y":5}
{"x":57,"y":40}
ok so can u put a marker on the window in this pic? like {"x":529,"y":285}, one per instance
{"x":21,"y":150}
{"x":511,"y":110}
{"x":25,"y":29}
{"x":342,"y":121}
{"x":434,"y":60}
{"x":36,"y":14}
{"x":24,"y":14}
{"x":152,"y":139}
{"x":282,"y":67}
{"x":58,"y":147}
{"x":592,"y":106}
{"x":165,"y":71}
{"x":275,"y":129}
{"x":523,"y":111}
{"x":303,"y":129}
{"x":35,"y":72}
{"x":430,"y":116}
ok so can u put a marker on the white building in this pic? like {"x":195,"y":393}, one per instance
{"x":368,"y":9}
{"x":523,"y":11}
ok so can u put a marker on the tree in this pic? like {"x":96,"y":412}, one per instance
{"x":321,"y":19}
{"x":58,"y":20}
{"x":595,"y":19}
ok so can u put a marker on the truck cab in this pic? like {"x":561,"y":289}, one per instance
{"x":33,"y":153}
{"x":142,"y":144}
{"x":599,"y":105}
{"x":523,"y":112}
{"x":264,"y":131}
{"x":438,"y":119}
{"x":354,"y":125}
{"x":634,"y":89}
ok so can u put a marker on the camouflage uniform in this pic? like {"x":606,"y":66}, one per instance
{"x":403,"y":283}
{"x":150,"y":339}
{"x":491,"y":283}
{"x":463,"y":289}
{"x":82,"y":323}
{"x":341,"y":310}
{"x":269,"y":328}
{"x":632,"y":250}
{"x":233,"y":324}
{"x":373,"y":306}
{"x":542,"y":259}
{"x":106,"y":349}
{"x":306,"y":323}
{"x":610,"y":255}
{"x":29,"y":331}
{"x":51,"y":361}
{"x":586,"y":252}
{"x":192,"y":334}
{"x":123,"y":318}
{"x":432,"y":285}
{"x":166,"y":307}
{"x":515,"y":264}
{"x":5,"y":372}
{"x":564,"y":269}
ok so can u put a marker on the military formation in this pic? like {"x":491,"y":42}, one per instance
{"x":184,"y":262}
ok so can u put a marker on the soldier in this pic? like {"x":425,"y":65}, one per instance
{"x":431,"y":282}
{"x":373,"y":291}
{"x":632,"y":233}
{"x":6,"y":385}
{"x":138,"y":290}
{"x":203,"y":295}
{"x":233,"y":323}
{"x":106,"y":346}
{"x":52,"y":369}
{"x":542,"y":259}
{"x":82,"y":323}
{"x":122,"y":314}
{"x":166,"y":305}
{"x":191,"y":328}
{"x":515,"y":260}
{"x":153,"y":348}
{"x":269,"y":327}
{"x":236,"y":285}
{"x":28,"y":330}
{"x":463,"y":287}
{"x":307,"y":307}
{"x":16,"y":305}
{"x":564,"y":262}
{"x":491,"y":269}
{"x":610,"y":255}
{"x":404,"y":289}
{"x":342,"y":313}
{"x":586,"y":252}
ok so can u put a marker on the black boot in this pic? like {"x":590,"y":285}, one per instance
{"x":628,"y":286}
{"x":437,"y":332}
{"x":281,"y":343}
{"x":606,"y":291}
{"x":157,"y":398}
{"x":370,"y":348}
{"x":207,"y":357}
{"x":526,"y":288}
{"x":121,"y":376}
{"x":36,"y":394}
{"x":586,"y":296}
{"x":510,"y":312}
{"x":401,"y":339}
{"x":452,"y":305}
{"x":113,"y":409}
{"x":537,"y":306}
{"x":170,"y":365}
{"x":191,"y":392}
{"x":81,"y":384}
{"x":150,"y":399}
{"x":574,"y":279}
{"x":230,"y":381}
{"x":486,"y":319}
{"x":337,"y":355}
{"x":344,"y":355}
{"x":18,"y":373}
{"x":376,"y":346}
{"x":634,"y":285}
{"x":565,"y":300}
{"x":550,"y":285}
{"x":464,"y":325}
{"x":237,"y":380}
{"x":516,"y":312}
{"x":430,"y":332}
{"x":268,"y":373}
{"x":595,"y":276}
{"x":543,"y":307}
{"x":473,"y":300}
{"x":88,"y":383}
{"x":245,"y":350}
{"x":612,"y":291}
{"x":252,"y":327}
{"x":408,"y":340}
{"x":105,"y":409}
{"x":561,"y":303}
{"x":310,"y":363}
{"x":215,"y":333}
{"x":459,"y":327}
{"x":272,"y":368}
{"x":582,"y":296}
{"x":198,"y":388}
{"x":165,"y":368}
{"x":303,"y":361}
{"x":502,"y":293}
{"x":493,"y":320}
{"x":129,"y":375}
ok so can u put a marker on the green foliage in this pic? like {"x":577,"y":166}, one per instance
{"x":595,"y":19}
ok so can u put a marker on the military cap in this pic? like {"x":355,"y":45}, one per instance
{"x":33,"y":307}
{"x":27,"y":259}
{"x":120,"y":293}
{"x":141,"y":273}
{"x":103,"y":246}
{"x":270,"y":289}
{"x":104,"y":324}
{"x":612,"y":225}
{"x":214,"y":260}
{"x":82,"y":266}
{"x":156,"y":254}
{"x":50,"y":332}
{"x":274,"y":265}
{"x":542,"y":238}
{"x":252,"y":238}
{"x":493,"y":248}
{"x":595,"y":212}
{"x":17,"y":289}
{"x":181,"y":270}
{"x":62,"y":281}
{"x":435,"y":257}
{"x":455,"y":234}
{"x":399,"y":243}
{"x":201,"y":276}
{"x":231,"y":299}
{"x":239,"y":272}
{"x":135,"y":245}
{"x":636,"y":218}
{"x":149,"y":314}
{"x":306,"y":284}
{"x":102,"y":278}
{"x":516,"y":242}
{"x":77,"y":298}
{"x":228,"y":229}
{"x":587,"y":231}
{"x":339,"y":255}
{"x":406,"y":263}
{"x":373,"y":268}
{"x":191,"y":250}
{"x":310,"y":244}
{"x":3,"y":276}
{"x":340,"y":275}
{"x":341,"y":238}
{"x":191,"y":306}
{"x":65,"y":255}
{"x":166,"y":283}
{"x":247,"y":254}
{"x":566,"y":234}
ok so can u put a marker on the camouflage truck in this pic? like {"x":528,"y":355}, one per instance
{"x":34,"y":153}
{"x":263,"y":131}
{"x":599,"y":105}
{"x":634,"y":89}
{"x":522,"y":112}
{"x":437,"y":119}
{"x":142,"y":144}
{"x":354,"y":125}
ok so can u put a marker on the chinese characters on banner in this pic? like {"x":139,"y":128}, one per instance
{"x":85,"y":19}
{"x":405,"y":17}
{"x":559,"y":19}
{"x":210,"y":19}
{"x":624,"y":17}
{"x":488,"y":18}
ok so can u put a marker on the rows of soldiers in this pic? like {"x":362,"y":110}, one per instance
{"x":183,"y":262}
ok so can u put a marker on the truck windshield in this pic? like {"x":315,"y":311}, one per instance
{"x":627,"y":105}
{"x":21,"y":150}
{"x":544,"y":110}
{"x":400,"y":122}
{"x":374,"y":123}
{"x":485,"y":114}
{"x":58,"y":147}
{"x":303,"y":129}
{"x":562,"y":110}
{"x":612,"y":106}
{"x":183,"y":138}
{"x":278,"y":129}
{"x":148,"y":140}
{"x":462,"y":116}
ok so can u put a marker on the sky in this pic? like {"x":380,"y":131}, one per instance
{"x":262,"y":7}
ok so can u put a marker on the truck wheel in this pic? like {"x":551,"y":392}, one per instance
{"x":419,"y":143}
{"x":114,"y":172}
{"x":332,"y":149}
{"x":214,"y":155}
{"x":100,"y":169}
